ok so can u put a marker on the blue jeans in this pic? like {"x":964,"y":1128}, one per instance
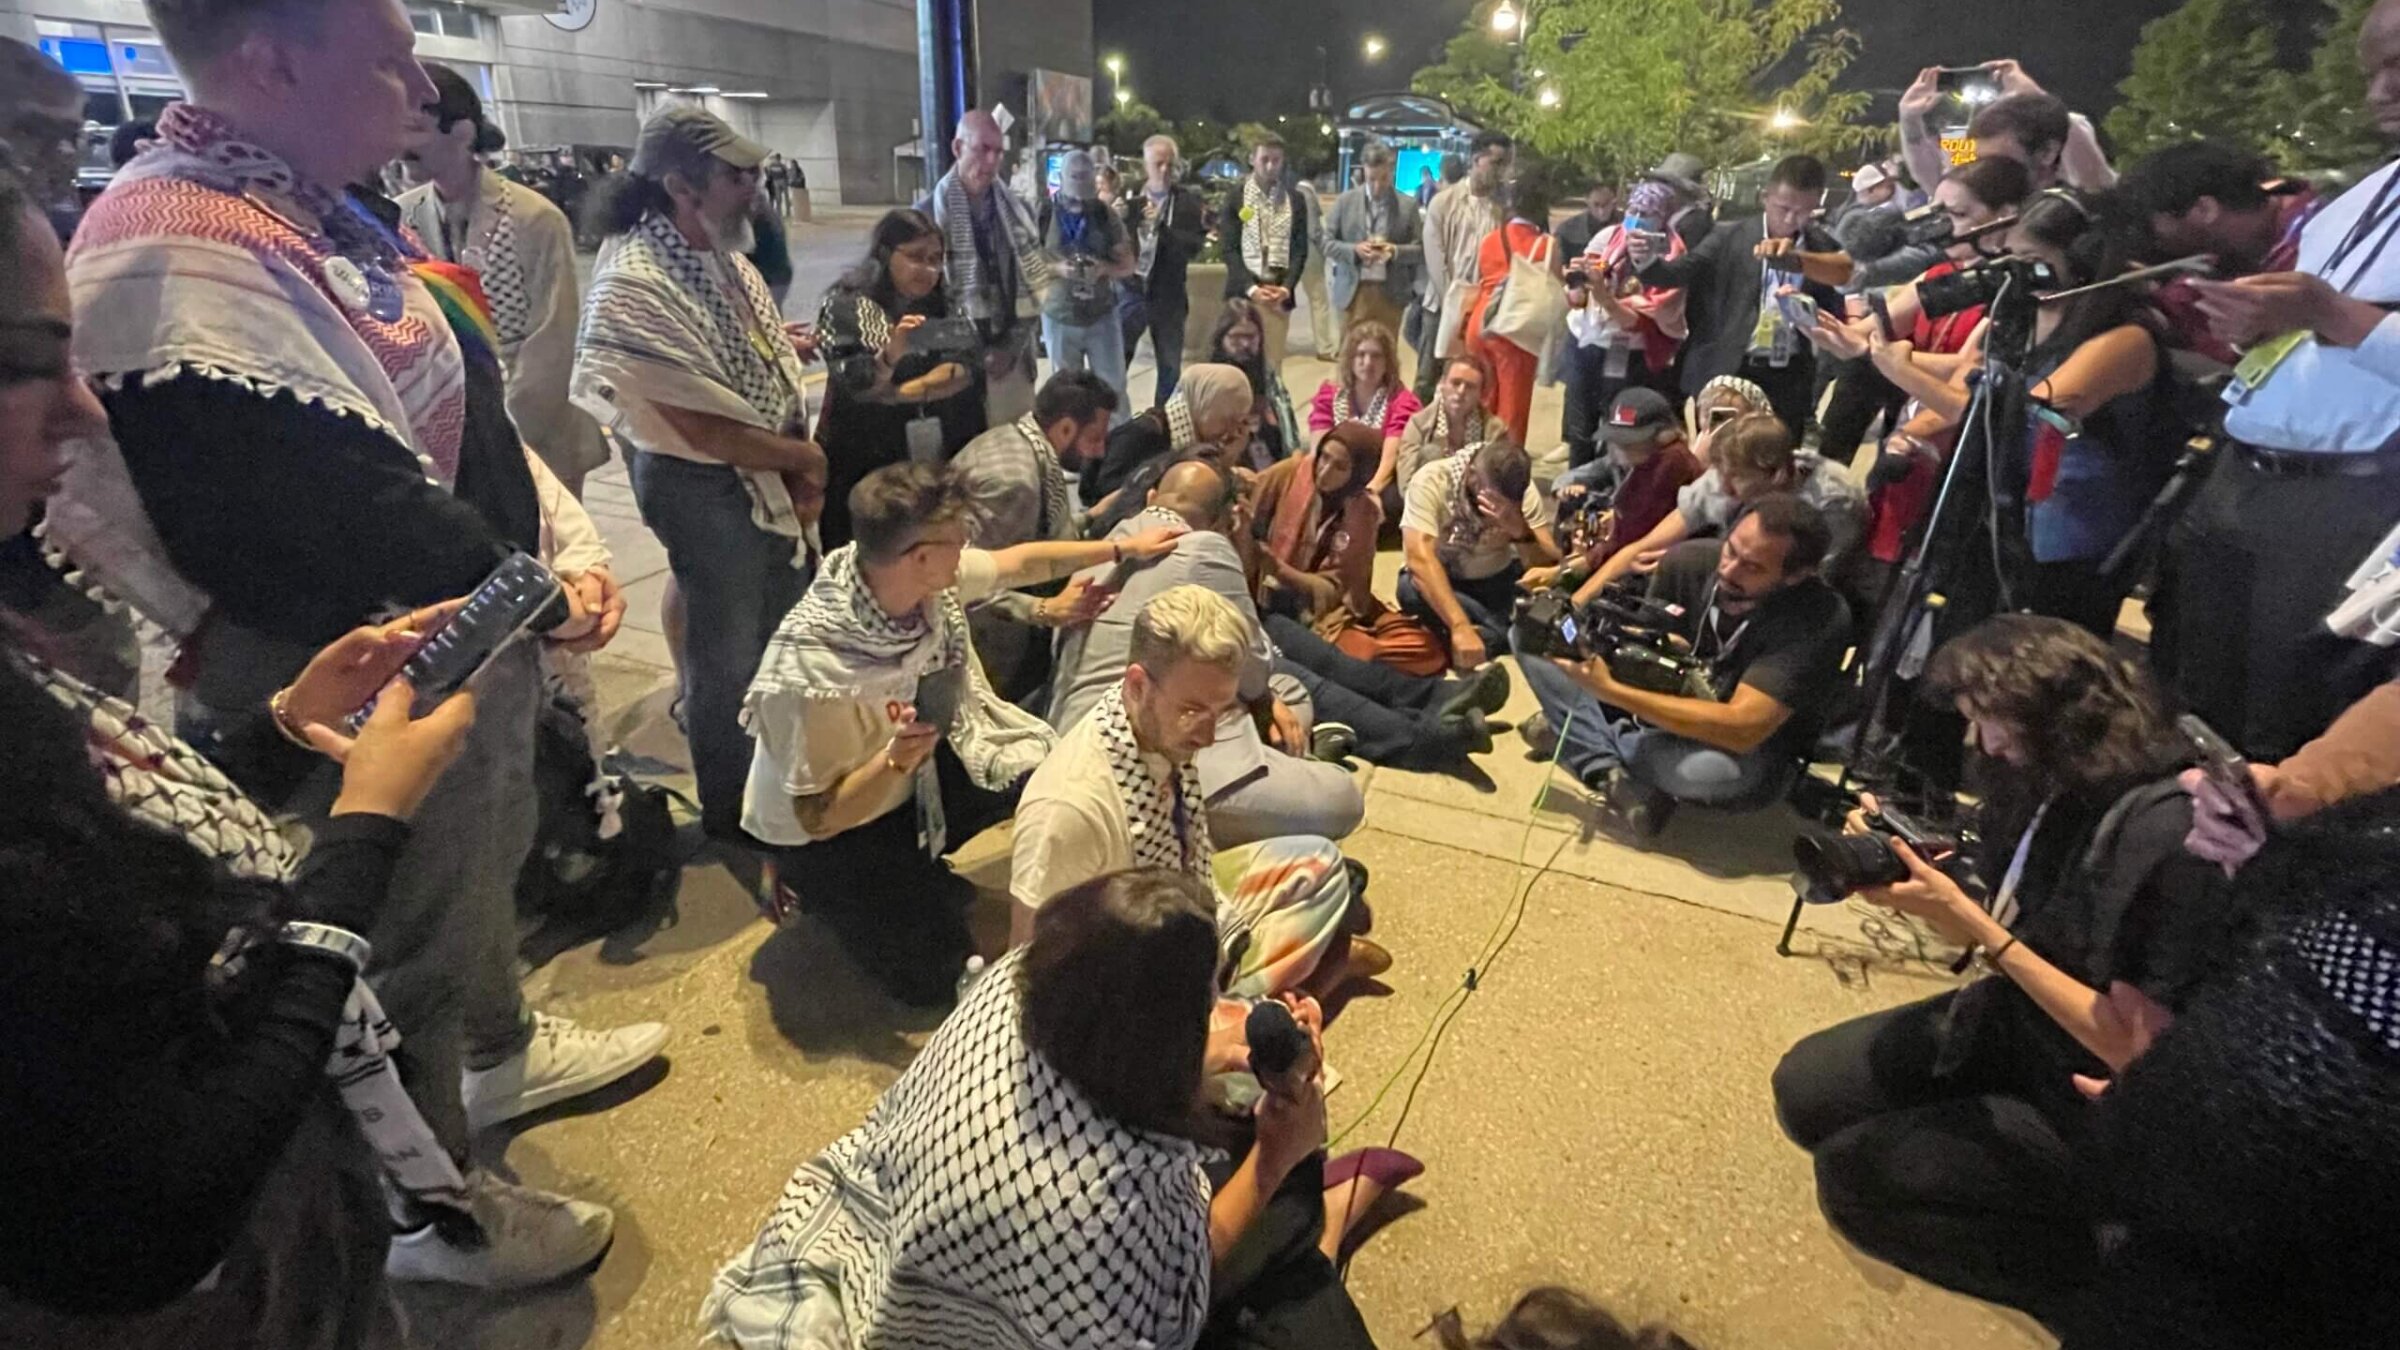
{"x":737,"y":582}
{"x":1099,"y":345}
{"x":1598,"y":738}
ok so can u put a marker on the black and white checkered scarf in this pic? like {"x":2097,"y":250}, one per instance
{"x":1058,"y":509}
{"x":1168,"y":821}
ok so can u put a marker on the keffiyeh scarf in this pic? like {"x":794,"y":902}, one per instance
{"x":670,"y":325}
{"x":1267,"y":231}
{"x":1167,"y":821}
{"x":837,"y":643}
{"x":1464,"y":527}
{"x":1182,"y":430}
{"x":1058,"y":510}
{"x":486,"y":242}
{"x":209,"y":257}
{"x":962,"y":263}
{"x":1343,"y":407}
{"x":169,"y":786}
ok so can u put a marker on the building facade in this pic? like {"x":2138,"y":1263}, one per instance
{"x":831,"y":84}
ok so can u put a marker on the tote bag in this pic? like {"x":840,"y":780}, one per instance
{"x":1531,"y":305}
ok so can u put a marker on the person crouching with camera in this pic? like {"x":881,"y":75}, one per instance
{"x":1753,"y":650}
{"x":1947,"y":1133}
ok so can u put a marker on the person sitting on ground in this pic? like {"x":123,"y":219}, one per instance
{"x":1750,"y":457}
{"x":1211,"y":404}
{"x":1768,"y":635}
{"x":1082,"y":1057}
{"x":1647,"y":466}
{"x":1550,"y":1317}
{"x":1240,"y":340}
{"x":1948,"y":1135}
{"x":1474,"y":524}
{"x":1451,"y":421}
{"x":1259,"y":780}
{"x":859,"y":794}
{"x":1018,"y":490}
{"x":1366,"y":387}
{"x":1123,"y":789}
{"x":1315,"y":523}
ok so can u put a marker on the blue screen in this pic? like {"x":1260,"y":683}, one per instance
{"x":81,"y":56}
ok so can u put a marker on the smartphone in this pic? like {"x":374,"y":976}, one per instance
{"x":2222,"y":763}
{"x":938,"y":695}
{"x":1798,"y":308}
{"x":518,"y":596}
{"x":1720,"y":415}
{"x":1971,"y":85}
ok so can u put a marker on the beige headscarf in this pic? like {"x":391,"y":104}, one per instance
{"x":1206,"y":392}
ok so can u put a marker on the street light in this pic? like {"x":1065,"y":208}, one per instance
{"x":1116,"y":67}
{"x":1548,"y":97}
{"x":1786,"y":120}
{"x":1124,"y":96}
{"x":1505,"y":19}
{"x":1375,"y":47}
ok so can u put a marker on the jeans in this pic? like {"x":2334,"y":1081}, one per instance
{"x":738,"y":582}
{"x":1163,"y":319}
{"x":1100,"y":345}
{"x":1964,"y":1178}
{"x":1391,"y":710}
{"x":1598,"y":738}
{"x":445,"y":941}
{"x":1488,"y":603}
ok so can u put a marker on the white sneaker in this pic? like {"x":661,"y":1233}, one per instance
{"x":530,"y":1237}
{"x":562,"y":1061}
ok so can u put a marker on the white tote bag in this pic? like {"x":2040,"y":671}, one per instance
{"x":1531,"y":306}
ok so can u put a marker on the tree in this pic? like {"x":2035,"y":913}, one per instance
{"x":2332,"y":130}
{"x":1611,"y":85}
{"x":2207,"y":70}
{"x":1128,"y":125}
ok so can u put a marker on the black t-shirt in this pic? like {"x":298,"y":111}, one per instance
{"x":1789,"y":648}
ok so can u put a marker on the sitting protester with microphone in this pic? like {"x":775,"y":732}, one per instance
{"x":1749,"y":655}
{"x":1947,"y":1133}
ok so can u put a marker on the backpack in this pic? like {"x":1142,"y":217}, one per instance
{"x":575,"y":885}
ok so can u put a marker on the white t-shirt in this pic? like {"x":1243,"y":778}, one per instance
{"x":809,"y":745}
{"x":1708,"y":506}
{"x":1071,"y":824}
{"x":1433,"y":499}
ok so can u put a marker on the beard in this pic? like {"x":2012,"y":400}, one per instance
{"x":735,"y":236}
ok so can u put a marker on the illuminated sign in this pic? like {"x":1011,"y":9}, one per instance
{"x":1960,"y":149}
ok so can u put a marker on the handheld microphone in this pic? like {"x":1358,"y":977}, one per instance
{"x":1276,"y":1040}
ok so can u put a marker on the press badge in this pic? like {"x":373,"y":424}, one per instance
{"x":2263,"y":360}
{"x":925,"y":440}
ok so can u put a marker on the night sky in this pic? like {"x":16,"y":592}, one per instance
{"x":1234,"y":60}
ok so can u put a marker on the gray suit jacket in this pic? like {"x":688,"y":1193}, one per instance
{"x":1348,"y":228}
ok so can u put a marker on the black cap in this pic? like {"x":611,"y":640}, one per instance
{"x":682,"y":139}
{"x":1640,"y":417}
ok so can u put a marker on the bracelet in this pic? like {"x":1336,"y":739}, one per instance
{"x":1989,"y":958}
{"x":339,"y":943}
{"x":279,"y":712}
{"x":1116,"y":553}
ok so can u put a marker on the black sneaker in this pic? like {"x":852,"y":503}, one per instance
{"x":1332,"y":742}
{"x":1486,"y":691}
{"x":1642,"y":809}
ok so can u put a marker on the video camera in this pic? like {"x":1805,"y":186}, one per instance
{"x":1628,"y":631}
{"x":1930,"y":226}
{"x":1837,"y":866}
{"x":1984,"y":282}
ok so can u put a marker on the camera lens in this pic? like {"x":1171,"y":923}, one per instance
{"x":1838,"y":865}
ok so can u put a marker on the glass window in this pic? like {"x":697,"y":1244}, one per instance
{"x":62,"y":28}
{"x":80,"y":55}
{"x":141,"y":56}
{"x":101,"y":106}
{"x":442,"y":20}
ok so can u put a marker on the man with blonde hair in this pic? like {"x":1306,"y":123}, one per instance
{"x":1121,"y":791}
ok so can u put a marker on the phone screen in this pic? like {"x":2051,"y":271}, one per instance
{"x":1971,"y":86}
{"x":1718,"y":417}
{"x":511,"y":600}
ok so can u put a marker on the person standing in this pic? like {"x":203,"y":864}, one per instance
{"x":2313,"y":482}
{"x":1375,"y":246}
{"x":888,"y":399}
{"x":1169,"y":223}
{"x":1089,"y":252}
{"x":1525,"y":236}
{"x":684,"y":355}
{"x":223,"y":272}
{"x":524,"y":251}
{"x":1599,"y":212}
{"x":1732,"y":283}
{"x":779,"y":186}
{"x":1625,"y":335}
{"x":1312,"y":276}
{"x":1266,"y":242}
{"x":1427,"y":186}
{"x":992,"y":263}
{"x":1455,"y":226}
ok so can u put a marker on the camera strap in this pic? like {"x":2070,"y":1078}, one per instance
{"x":2004,"y":906}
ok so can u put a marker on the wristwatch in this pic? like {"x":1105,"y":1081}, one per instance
{"x":349,"y":947}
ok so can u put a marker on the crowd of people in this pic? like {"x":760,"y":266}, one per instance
{"x":261,"y":991}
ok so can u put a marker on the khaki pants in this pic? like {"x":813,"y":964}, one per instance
{"x":1277,"y":321}
{"x":1373,"y":304}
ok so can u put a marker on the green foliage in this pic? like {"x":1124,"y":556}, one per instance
{"x":2333,"y":129}
{"x":1636,"y":79}
{"x":2210,"y":70}
{"x":1128,"y":125}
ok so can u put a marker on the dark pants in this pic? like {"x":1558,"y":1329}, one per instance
{"x":1391,"y":710}
{"x":737,"y":582}
{"x":1591,"y":392}
{"x":1276,"y":1290}
{"x":1791,"y":390}
{"x":900,"y":912}
{"x":1163,"y":318}
{"x":2078,"y":593}
{"x":1488,"y":604}
{"x":1860,"y":395}
{"x":1964,"y":1179}
{"x":2250,"y":572}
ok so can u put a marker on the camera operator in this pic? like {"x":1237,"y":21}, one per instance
{"x":2208,"y":197}
{"x":2311,"y":482}
{"x":1621,"y":497}
{"x":1946,"y":1133}
{"x":1766,"y":635}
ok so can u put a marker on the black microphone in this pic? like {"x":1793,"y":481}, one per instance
{"x":1276,"y":1040}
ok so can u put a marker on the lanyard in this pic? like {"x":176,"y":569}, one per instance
{"x":2378,"y":221}
{"x":1709,"y":618}
{"x":2004,"y":901}
{"x":1183,"y":817}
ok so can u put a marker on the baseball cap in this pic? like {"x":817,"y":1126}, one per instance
{"x":1640,"y":417}
{"x":682,"y":139}
{"x":1872,"y":176}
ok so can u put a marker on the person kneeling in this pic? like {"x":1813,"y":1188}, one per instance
{"x":1122,"y":790}
{"x":1766,"y":635}
{"x":879,"y":743}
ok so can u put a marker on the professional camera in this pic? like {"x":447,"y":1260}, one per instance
{"x":1837,"y":866}
{"x":1627,"y":631}
{"x":2019,"y":277}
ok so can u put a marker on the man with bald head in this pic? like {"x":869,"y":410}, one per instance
{"x":1257,"y":786}
{"x":993,"y":263}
